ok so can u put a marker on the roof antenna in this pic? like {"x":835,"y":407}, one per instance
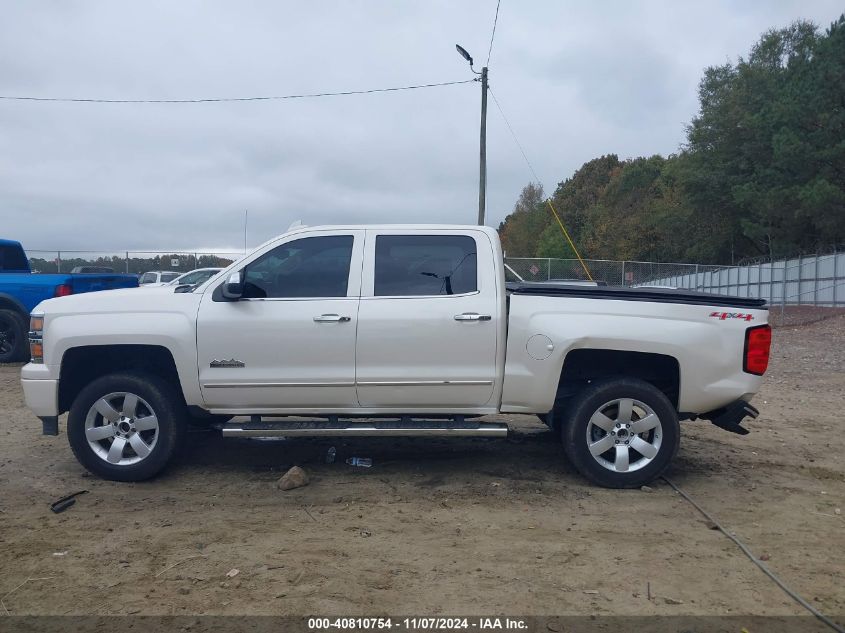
{"x":246,"y":222}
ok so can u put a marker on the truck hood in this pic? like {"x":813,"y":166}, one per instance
{"x":134,"y":300}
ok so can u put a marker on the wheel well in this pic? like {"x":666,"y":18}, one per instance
{"x":582,"y":366}
{"x":10,"y":304}
{"x":81,"y":365}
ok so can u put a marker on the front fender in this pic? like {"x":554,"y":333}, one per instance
{"x":174,"y":331}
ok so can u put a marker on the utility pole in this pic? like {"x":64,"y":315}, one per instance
{"x":482,"y":155}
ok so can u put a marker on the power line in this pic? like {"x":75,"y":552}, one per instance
{"x":234,"y":99}
{"x":548,"y":200}
{"x":493,"y":35}
{"x":515,"y":139}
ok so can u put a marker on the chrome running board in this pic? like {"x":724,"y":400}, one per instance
{"x":405,"y":427}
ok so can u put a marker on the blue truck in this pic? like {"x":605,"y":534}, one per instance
{"x":21,"y":290}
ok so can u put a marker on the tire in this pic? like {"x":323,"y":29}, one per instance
{"x":14,"y":342}
{"x":597,"y":419}
{"x":146,"y":445}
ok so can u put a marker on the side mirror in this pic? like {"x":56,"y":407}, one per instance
{"x":233,"y":289}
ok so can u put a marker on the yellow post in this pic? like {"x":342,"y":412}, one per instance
{"x":569,"y":239}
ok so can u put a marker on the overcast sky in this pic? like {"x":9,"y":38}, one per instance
{"x":576,"y":80}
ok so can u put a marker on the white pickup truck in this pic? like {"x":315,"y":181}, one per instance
{"x":391,"y":330}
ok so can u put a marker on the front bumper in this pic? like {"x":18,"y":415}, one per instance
{"x":40,"y":390}
{"x":729,"y":417}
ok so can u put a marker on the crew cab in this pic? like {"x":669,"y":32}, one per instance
{"x":392,"y":330}
{"x":21,"y":290}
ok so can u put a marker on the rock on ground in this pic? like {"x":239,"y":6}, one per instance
{"x":294,"y":478}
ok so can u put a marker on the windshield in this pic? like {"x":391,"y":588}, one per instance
{"x":195,"y":277}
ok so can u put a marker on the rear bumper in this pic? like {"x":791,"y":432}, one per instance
{"x":729,"y":417}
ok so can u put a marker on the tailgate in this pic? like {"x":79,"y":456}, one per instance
{"x":93,"y":283}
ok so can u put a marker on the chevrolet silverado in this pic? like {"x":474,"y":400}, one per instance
{"x":392,"y":330}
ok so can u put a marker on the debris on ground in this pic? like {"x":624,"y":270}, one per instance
{"x":65,"y":502}
{"x":361,"y":462}
{"x":232,"y":573}
{"x":294,"y":478}
{"x":646,"y":488}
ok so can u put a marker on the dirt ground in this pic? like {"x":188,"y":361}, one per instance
{"x":442,"y":527}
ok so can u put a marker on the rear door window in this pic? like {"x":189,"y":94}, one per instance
{"x":12,"y":258}
{"x":424,"y":265}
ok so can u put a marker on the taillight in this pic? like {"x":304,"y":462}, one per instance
{"x":63,"y":290}
{"x":758,"y":342}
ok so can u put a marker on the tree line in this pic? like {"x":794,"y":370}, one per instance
{"x":132,"y":265}
{"x":762,"y":171}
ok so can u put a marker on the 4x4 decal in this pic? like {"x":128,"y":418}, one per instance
{"x":732,"y":315}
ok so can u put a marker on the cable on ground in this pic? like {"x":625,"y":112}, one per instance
{"x":763,"y":567}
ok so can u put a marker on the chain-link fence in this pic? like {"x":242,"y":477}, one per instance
{"x":605,"y":271}
{"x":816,"y":280}
{"x":134,"y":262}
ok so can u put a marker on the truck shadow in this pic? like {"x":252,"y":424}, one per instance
{"x":529,"y":454}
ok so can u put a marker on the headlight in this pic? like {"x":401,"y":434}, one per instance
{"x":36,"y":338}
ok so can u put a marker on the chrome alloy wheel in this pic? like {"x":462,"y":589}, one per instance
{"x":121,"y":428}
{"x":624,"y":435}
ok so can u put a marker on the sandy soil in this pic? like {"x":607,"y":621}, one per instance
{"x":442,"y":527}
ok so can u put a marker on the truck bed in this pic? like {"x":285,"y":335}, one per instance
{"x":653,"y":295}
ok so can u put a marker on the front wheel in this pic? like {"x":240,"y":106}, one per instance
{"x":621,"y":433}
{"x":126,"y":427}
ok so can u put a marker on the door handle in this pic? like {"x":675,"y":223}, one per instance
{"x":472,"y":316}
{"x":332,"y":318}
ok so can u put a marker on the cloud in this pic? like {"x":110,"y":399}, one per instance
{"x":576,"y":81}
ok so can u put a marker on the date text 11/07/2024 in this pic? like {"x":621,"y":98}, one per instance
{"x":418,"y":624}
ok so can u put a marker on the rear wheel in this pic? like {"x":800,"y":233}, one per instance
{"x":621,"y":433}
{"x":13,"y":337}
{"x":126,"y":427}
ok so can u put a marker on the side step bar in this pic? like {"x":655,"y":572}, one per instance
{"x":370,"y":428}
